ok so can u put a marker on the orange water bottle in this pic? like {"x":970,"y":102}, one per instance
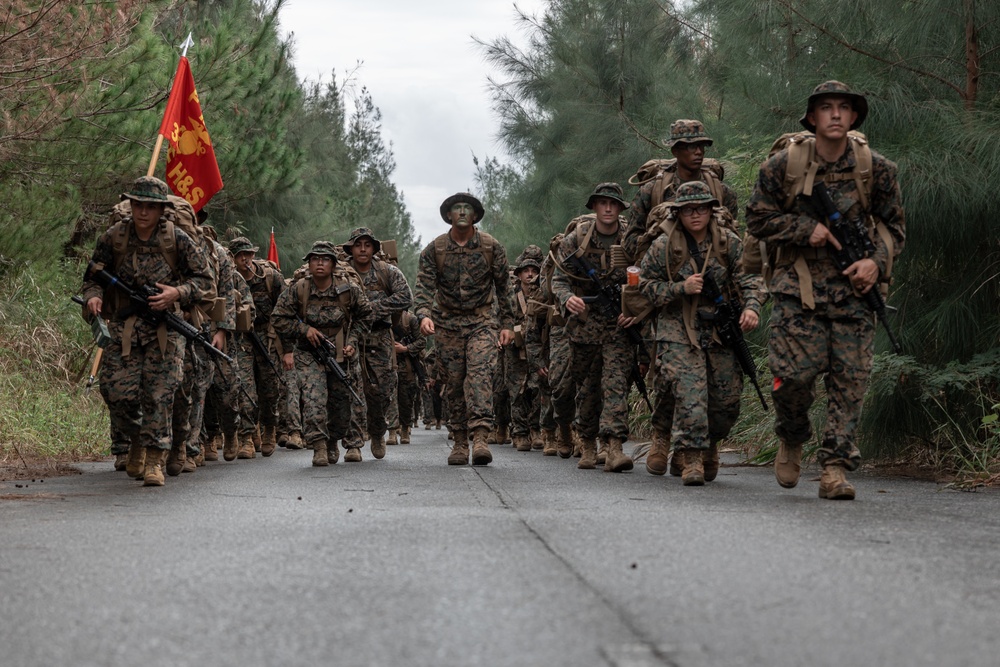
{"x":633,"y":276}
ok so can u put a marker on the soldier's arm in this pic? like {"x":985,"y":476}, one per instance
{"x":751,"y":285}
{"x":197,"y":282}
{"x":638,"y":212}
{"x":103,"y":256}
{"x":887,"y":207}
{"x":423,"y":297}
{"x":226,"y":287}
{"x":654,"y":281}
{"x":418,"y":342}
{"x":766,"y":217}
{"x":400,"y":298}
{"x":362,"y":315}
{"x":562,"y":287}
{"x":731,"y":202}
{"x":285,"y":319}
{"x":501,"y":282}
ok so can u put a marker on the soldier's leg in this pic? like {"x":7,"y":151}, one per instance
{"x":243,"y":352}
{"x":183,"y":407}
{"x":352,"y":429}
{"x":119,"y":386}
{"x":268,"y":396}
{"x":451,"y":347}
{"x":852,"y":349}
{"x":618,"y":358}
{"x":315,"y":393}
{"x":162,"y":372}
{"x":406,"y":397}
{"x":293,"y":409}
{"x":662,"y":419}
{"x":520,"y":408}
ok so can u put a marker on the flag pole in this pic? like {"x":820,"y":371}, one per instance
{"x":185,"y":45}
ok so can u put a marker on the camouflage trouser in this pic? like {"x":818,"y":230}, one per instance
{"x":267,"y":384}
{"x":560,"y":379}
{"x":837,"y":340}
{"x":139,"y":389}
{"x":326,"y":403}
{"x":600,"y":373}
{"x":189,"y":402}
{"x":392,"y":413}
{"x":427,"y":400}
{"x":379,"y":374}
{"x":222,"y":401}
{"x":703,"y":387}
{"x":290,"y":412}
{"x":243,"y":353}
{"x":406,"y":397}
{"x":469,"y":356}
{"x":523,"y":391}
{"x":119,"y":440}
{"x":501,"y":391}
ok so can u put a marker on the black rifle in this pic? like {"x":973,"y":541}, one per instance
{"x":326,"y":355}
{"x":855,"y":245}
{"x":608,"y":301}
{"x":138,"y":298}
{"x":414,"y":357}
{"x":258,"y":345}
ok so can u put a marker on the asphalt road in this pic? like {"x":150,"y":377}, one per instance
{"x":529,"y":561}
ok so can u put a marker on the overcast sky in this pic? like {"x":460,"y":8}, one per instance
{"x":426,"y":75}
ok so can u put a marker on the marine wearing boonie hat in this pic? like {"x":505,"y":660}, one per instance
{"x":462,"y":197}
{"x":320,"y":249}
{"x":241,"y":244}
{"x":837,"y":89}
{"x":361,"y":232}
{"x":149,"y":189}
{"x":687,"y":131}
{"x":692,"y":193}
{"x":609,"y":190}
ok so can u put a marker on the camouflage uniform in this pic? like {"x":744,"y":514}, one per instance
{"x":407,"y":333}
{"x":389,"y":294}
{"x":143,"y":363}
{"x":341,"y":310}
{"x":523,"y":374}
{"x":460,"y":299}
{"x":600,"y":349}
{"x":836,"y":336}
{"x":432,"y":392}
{"x":699,"y":378}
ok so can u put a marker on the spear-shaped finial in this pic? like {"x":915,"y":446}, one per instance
{"x":185,"y":45}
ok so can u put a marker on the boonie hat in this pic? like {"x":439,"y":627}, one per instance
{"x":320,"y":248}
{"x":609,"y":190}
{"x":691,"y":193}
{"x":685,"y":131}
{"x":357,"y":234}
{"x":241,"y":244}
{"x":458,"y":198}
{"x":149,"y":189}
{"x":839,"y":89}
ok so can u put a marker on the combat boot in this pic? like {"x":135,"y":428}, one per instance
{"x":282,"y":439}
{"x":617,"y":460}
{"x":212,"y":448}
{"x":676,"y":465}
{"x":549,"y":442}
{"x":522,"y":443}
{"x":564,"y":441}
{"x":190,"y":464}
{"x":230,"y":446}
{"x":248,"y":450}
{"x":578,"y":445}
{"x":392,"y":437}
{"x":588,"y":453}
{"x":352,"y":455}
{"x":427,"y":425}
{"x":319,"y":454}
{"x":404,"y":435}
{"x":788,"y":464}
{"x":267,"y":443}
{"x":175,"y":460}
{"x":602,"y":452}
{"x":481,"y":455}
{"x":152,"y":472}
{"x":255,"y":437}
{"x":377,"y":447}
{"x":493,"y":435}
{"x":694,"y":470}
{"x":199,"y":459}
{"x":332,"y":452}
{"x":120,"y":462}
{"x":833,"y":484}
{"x":437,"y":424}
{"x":710,"y":461}
{"x":460,"y":450}
{"x":536,"y":439}
{"x":503,"y":435}
{"x":294,"y":441}
{"x":135,"y":463}
{"x":659,"y":454}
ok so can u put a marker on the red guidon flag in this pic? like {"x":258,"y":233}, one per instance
{"x":272,"y":251}
{"x":192,"y":171}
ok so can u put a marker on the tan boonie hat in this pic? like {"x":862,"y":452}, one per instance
{"x":693,"y":193}
{"x":359,"y":233}
{"x":321,"y":248}
{"x":609,"y":190}
{"x":149,"y":189}
{"x":458,"y":198}
{"x":530,"y":256}
{"x":686,"y":131}
{"x":241,"y":244}
{"x":836,"y":89}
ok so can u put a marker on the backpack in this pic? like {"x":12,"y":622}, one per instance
{"x":659,"y":216}
{"x":342,"y":286}
{"x":663,"y":170}
{"x":486,"y":244}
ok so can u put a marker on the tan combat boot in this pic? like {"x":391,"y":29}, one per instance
{"x":788,"y":464}
{"x":536,"y":439}
{"x":602,"y":452}
{"x":522,"y":443}
{"x":152,"y":473}
{"x":549,"y":442}
{"x":404,"y":435}
{"x":248,"y":450}
{"x":437,"y":424}
{"x":255,"y":437}
{"x":491,"y":438}
{"x":659,"y":454}
{"x":578,"y":445}
{"x":212,"y":448}
{"x":267,"y":443}
{"x":503,"y":435}
{"x":135,"y":463}
{"x":190,"y":464}
{"x":319,"y":454}
{"x":377,"y":447}
{"x":230,"y":446}
{"x":481,"y":455}
{"x":588,"y":453}
{"x":352,"y":455}
{"x":199,"y":460}
{"x":676,"y":464}
{"x":392,"y":436}
{"x":833,"y":484}
{"x":176,"y":458}
{"x":460,"y":450}
{"x":332,"y":452}
{"x":694,"y":470}
{"x":295,"y":441}
{"x":427,"y":425}
{"x":121,"y":460}
{"x":564,"y":441}
{"x":710,"y":461}
{"x":617,"y":460}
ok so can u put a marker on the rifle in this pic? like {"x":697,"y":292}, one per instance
{"x":139,"y":305}
{"x":855,"y":245}
{"x":326,"y":355}
{"x":101,"y":339}
{"x":608,"y":301}
{"x":258,"y":345}
{"x":418,"y":363}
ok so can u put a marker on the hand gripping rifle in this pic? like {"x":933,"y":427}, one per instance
{"x":608,"y":301}
{"x":326,"y":355}
{"x":414,"y":357}
{"x":855,"y":245}
{"x":138,"y":298}
{"x":258,"y":345}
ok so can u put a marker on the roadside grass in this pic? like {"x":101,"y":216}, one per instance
{"x":45,"y":352}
